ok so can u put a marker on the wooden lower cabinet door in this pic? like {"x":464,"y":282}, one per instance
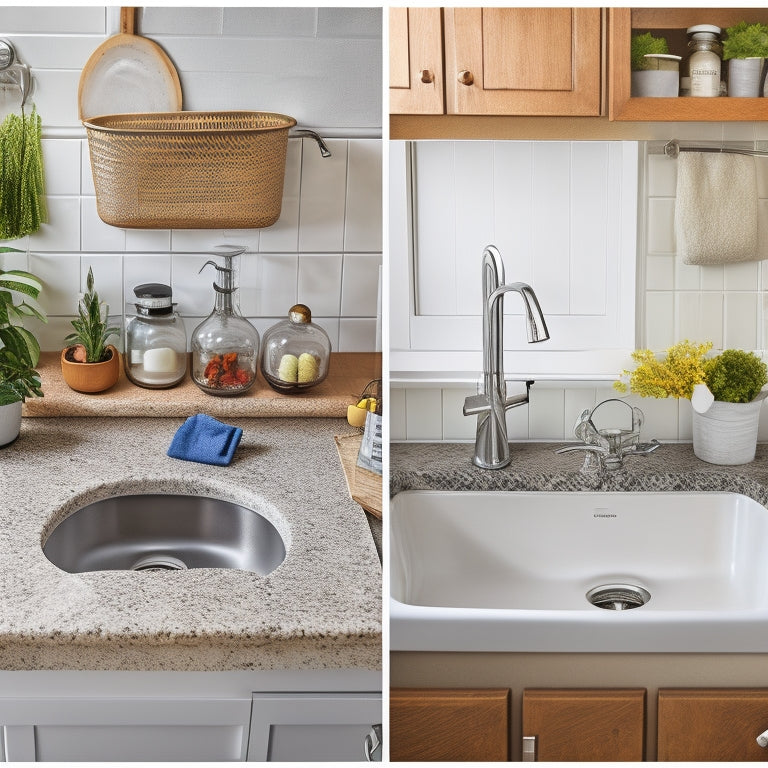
{"x":449,"y":724}
{"x":712,"y":724}
{"x":585,"y":724}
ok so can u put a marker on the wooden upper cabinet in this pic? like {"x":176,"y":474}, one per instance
{"x":450,"y":725}
{"x":523,"y":61}
{"x":585,"y":725}
{"x":415,"y":61}
{"x":712,"y":724}
{"x":672,"y":23}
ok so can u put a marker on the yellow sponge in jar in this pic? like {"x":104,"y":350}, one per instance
{"x":308,"y":368}
{"x":289,"y":368}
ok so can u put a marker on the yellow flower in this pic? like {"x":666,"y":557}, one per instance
{"x":674,"y":376}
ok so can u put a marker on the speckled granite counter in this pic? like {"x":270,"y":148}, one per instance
{"x":348,"y":375}
{"x":536,"y":467}
{"x":320,"y":609}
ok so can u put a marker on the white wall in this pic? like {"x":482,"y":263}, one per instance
{"x":727,"y":305}
{"x":322,"y":66}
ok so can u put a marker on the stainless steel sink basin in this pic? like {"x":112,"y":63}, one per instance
{"x":160,"y":532}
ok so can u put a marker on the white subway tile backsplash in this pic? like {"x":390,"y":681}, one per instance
{"x":711,"y":278}
{"x":396,"y":410}
{"x":283,"y":235}
{"x":62,"y":166}
{"x":659,"y":272}
{"x":141,"y":268}
{"x":423,"y":408}
{"x":659,"y":320}
{"x":360,"y":284}
{"x":319,"y":283}
{"x":60,"y":276}
{"x":148,"y":240}
{"x":323,"y":197}
{"x":741,"y":322}
{"x":363,"y":230}
{"x":661,"y":229}
{"x":546,"y":417}
{"x":357,"y":334}
{"x":687,"y":276}
{"x":269,"y":284}
{"x":62,"y":232}
{"x":457,"y":426}
{"x":662,"y":176}
{"x":741,"y":277}
{"x":96,"y":235}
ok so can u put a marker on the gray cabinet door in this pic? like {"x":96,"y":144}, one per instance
{"x":116,"y":730}
{"x":312,"y":727}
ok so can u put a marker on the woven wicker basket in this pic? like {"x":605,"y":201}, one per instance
{"x":189,"y":170}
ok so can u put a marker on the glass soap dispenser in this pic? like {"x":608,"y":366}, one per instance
{"x":155,"y":340}
{"x":225,"y":346}
{"x":296,"y":352}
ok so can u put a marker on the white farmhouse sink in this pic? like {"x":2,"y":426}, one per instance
{"x":511,"y":571}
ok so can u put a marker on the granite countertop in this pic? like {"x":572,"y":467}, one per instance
{"x":320,"y":609}
{"x":536,"y":467}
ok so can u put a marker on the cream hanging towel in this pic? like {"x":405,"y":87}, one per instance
{"x":716,"y":209}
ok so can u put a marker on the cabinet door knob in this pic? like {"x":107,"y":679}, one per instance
{"x":465,"y":77}
{"x":427,"y":76}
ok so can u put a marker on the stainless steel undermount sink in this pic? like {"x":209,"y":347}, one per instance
{"x":535,"y":571}
{"x":164,"y":532}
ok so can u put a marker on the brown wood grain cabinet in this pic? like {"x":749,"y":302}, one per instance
{"x":416,"y":61}
{"x":522,"y":61}
{"x":498,"y":61}
{"x":585,"y":724}
{"x":450,"y":724}
{"x":672,"y":23}
{"x":712,"y":724}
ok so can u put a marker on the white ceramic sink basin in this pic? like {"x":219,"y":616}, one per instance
{"x":512,"y":571}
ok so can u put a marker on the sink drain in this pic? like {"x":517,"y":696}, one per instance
{"x":618,"y":597}
{"x":159,"y":563}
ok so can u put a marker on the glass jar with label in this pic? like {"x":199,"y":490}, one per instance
{"x":700,"y":75}
{"x":296,"y":352}
{"x":155,"y":340}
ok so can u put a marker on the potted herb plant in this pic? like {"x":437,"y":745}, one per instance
{"x":726,"y":392}
{"x":745,"y":48}
{"x":19,"y":349}
{"x":89,"y":364}
{"x":655,"y":71}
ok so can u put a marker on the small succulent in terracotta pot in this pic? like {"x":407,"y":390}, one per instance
{"x":89,"y":363}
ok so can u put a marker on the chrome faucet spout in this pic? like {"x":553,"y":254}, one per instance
{"x":492,"y":444}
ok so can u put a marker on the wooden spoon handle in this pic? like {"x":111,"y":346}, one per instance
{"x":127,"y":20}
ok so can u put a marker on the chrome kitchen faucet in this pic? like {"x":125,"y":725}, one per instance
{"x":490,"y":406}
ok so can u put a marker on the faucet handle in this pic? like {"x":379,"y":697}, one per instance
{"x":476,"y":404}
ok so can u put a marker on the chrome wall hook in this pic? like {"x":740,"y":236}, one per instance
{"x":13,"y":71}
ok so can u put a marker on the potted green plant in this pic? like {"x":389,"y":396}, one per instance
{"x":745,"y":48}
{"x":89,"y":363}
{"x":726,"y":392}
{"x":655,"y":71}
{"x":19,"y":349}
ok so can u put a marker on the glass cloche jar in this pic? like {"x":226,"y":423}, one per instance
{"x":296,"y":352}
{"x":155,"y":340}
{"x":225,"y":346}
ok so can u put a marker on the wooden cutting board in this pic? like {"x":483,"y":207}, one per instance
{"x":364,"y":485}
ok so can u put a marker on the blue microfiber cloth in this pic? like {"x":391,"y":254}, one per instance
{"x":202,"y":438}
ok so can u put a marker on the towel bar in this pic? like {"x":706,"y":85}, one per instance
{"x":673,"y":149}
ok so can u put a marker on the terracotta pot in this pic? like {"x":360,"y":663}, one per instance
{"x":91,"y":377}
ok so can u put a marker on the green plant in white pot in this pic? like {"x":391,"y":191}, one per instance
{"x":745,"y":48}
{"x":655,"y":71}
{"x":726,"y":392}
{"x":19,"y":349}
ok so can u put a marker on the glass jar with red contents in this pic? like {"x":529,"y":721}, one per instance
{"x":225,"y":346}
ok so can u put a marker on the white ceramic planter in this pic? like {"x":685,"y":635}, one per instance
{"x":727,"y":432}
{"x":10,"y":422}
{"x":660,"y":79}
{"x":744,"y":77}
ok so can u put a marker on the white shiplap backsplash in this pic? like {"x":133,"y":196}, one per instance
{"x":726,"y":304}
{"x":319,"y":65}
